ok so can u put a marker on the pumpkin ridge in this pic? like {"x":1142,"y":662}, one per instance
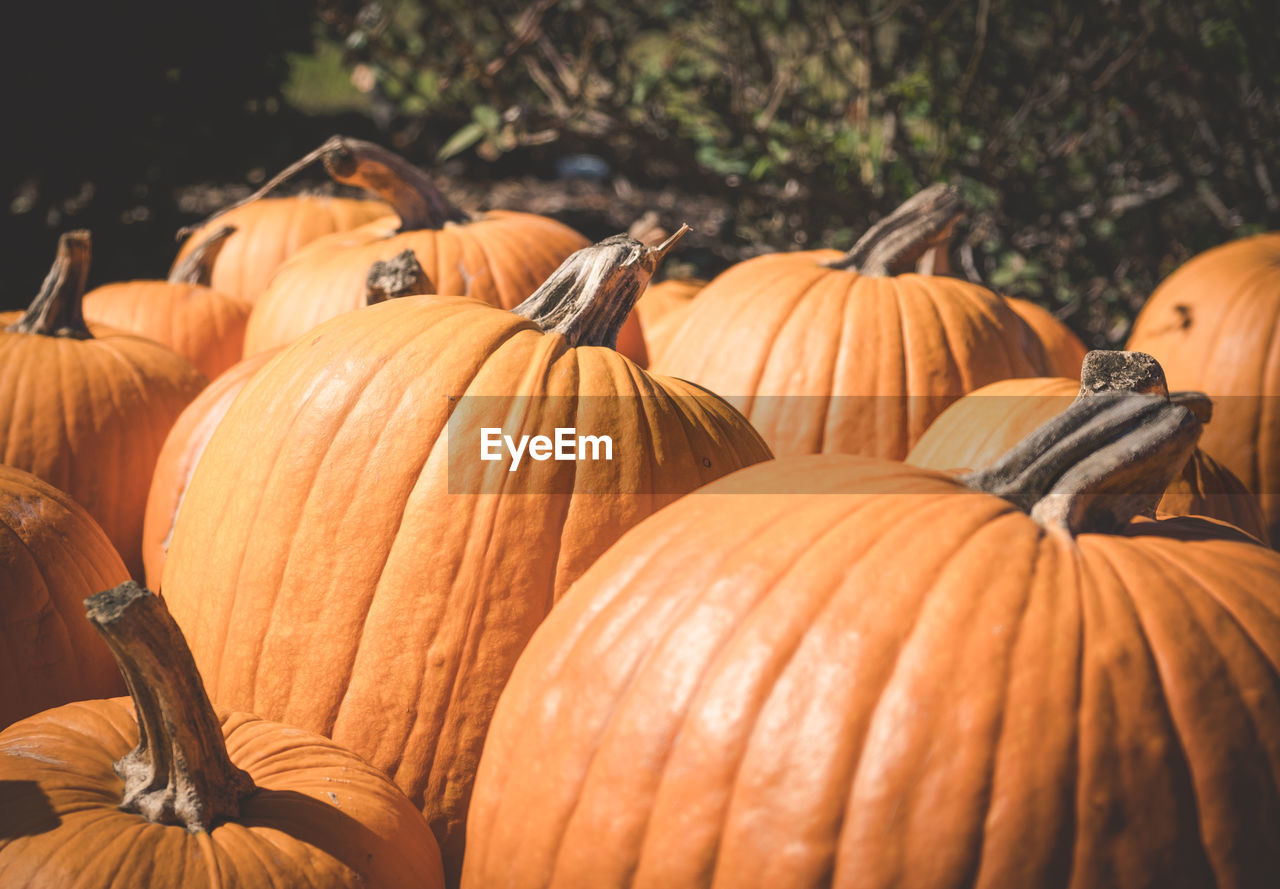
{"x":1168,"y":684}
{"x":775,"y":335}
{"x":930,"y":596}
{"x":635,"y":674}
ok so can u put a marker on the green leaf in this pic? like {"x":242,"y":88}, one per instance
{"x":462,"y":140}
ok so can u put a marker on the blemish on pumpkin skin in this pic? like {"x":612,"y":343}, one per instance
{"x":1184,"y":315}
{"x":29,"y":751}
{"x":333,"y":797}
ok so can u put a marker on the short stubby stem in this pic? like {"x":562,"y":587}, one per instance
{"x":57,"y":309}
{"x":895,"y":244}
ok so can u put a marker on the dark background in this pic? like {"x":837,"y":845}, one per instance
{"x":1100,"y":144}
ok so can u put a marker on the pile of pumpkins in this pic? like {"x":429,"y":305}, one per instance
{"x":955,"y":603}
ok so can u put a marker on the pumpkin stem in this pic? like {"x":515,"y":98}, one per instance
{"x":57,"y":310}
{"x":197,"y":266}
{"x":180,"y":772}
{"x":896,"y":243}
{"x":1104,"y":460}
{"x":401,"y":275}
{"x":589,"y":297}
{"x":409,"y":191}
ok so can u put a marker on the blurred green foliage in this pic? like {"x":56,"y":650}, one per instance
{"x":1100,"y":143}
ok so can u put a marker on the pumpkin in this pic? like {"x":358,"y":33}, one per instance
{"x":1212,"y":324}
{"x":987,"y":422}
{"x":499,"y":257}
{"x":1063,"y":349}
{"x":840,"y":671}
{"x":397,"y":277}
{"x":163,"y":792}
{"x":86,"y":408}
{"x":52,"y":555}
{"x":203,"y":325}
{"x":269,"y":230}
{"x":829,"y":353}
{"x":661,"y":310}
{"x":344,"y":561}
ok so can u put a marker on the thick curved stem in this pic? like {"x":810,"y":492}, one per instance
{"x":180,"y":772}
{"x":401,"y":275}
{"x":1104,"y":460}
{"x":589,"y":297}
{"x":896,"y":243}
{"x":197,"y":266}
{"x":57,"y":310}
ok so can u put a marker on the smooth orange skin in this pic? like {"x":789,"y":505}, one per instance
{"x":1213,"y":326}
{"x":877,"y":679}
{"x":90,"y":416}
{"x":1064,"y":352}
{"x":269,"y":231}
{"x":822,"y":360}
{"x":321,"y":818}
{"x":52,"y":555}
{"x":178,"y":457}
{"x":499,"y":258}
{"x":982,"y":426}
{"x":326,"y":576}
{"x":203,"y":325}
{"x":661,"y":310}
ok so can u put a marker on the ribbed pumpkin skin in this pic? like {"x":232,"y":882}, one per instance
{"x":178,"y":457}
{"x":203,"y":325}
{"x":984,"y":424}
{"x":784,"y":339}
{"x":1212,"y":324}
{"x":90,"y":416}
{"x":500,"y":258}
{"x":1064,"y":353}
{"x":270,"y":230}
{"x":323,"y":818}
{"x":52,"y":555}
{"x":875,"y":690}
{"x":661,"y":309}
{"x":325,"y":576}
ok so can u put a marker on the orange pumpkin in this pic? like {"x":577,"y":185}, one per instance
{"x":52,"y":555}
{"x":829,"y":353}
{"x":86,"y":408}
{"x":499,"y":257}
{"x":987,"y":422}
{"x":202,"y":324}
{"x":268,"y":231}
{"x":1213,"y":324}
{"x":841,"y":671}
{"x":344,"y":560}
{"x":202,"y":800}
{"x":1063,"y":349}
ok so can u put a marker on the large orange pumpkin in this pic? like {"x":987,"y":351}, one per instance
{"x":984,"y":424}
{"x":162,"y":792}
{"x":831,"y":353}
{"x":200,"y":323}
{"x":345,"y":562}
{"x":52,"y":555}
{"x":268,"y":231}
{"x":86,"y":408}
{"x":499,"y":257}
{"x":1213,"y":325}
{"x":836,"y":671}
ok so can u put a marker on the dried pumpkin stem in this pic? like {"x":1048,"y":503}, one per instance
{"x":409,"y":191}
{"x":180,"y":772}
{"x":896,"y":243}
{"x":197,"y":266}
{"x":589,"y":297}
{"x":1104,"y":460}
{"x":401,"y":275}
{"x":57,"y":310}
